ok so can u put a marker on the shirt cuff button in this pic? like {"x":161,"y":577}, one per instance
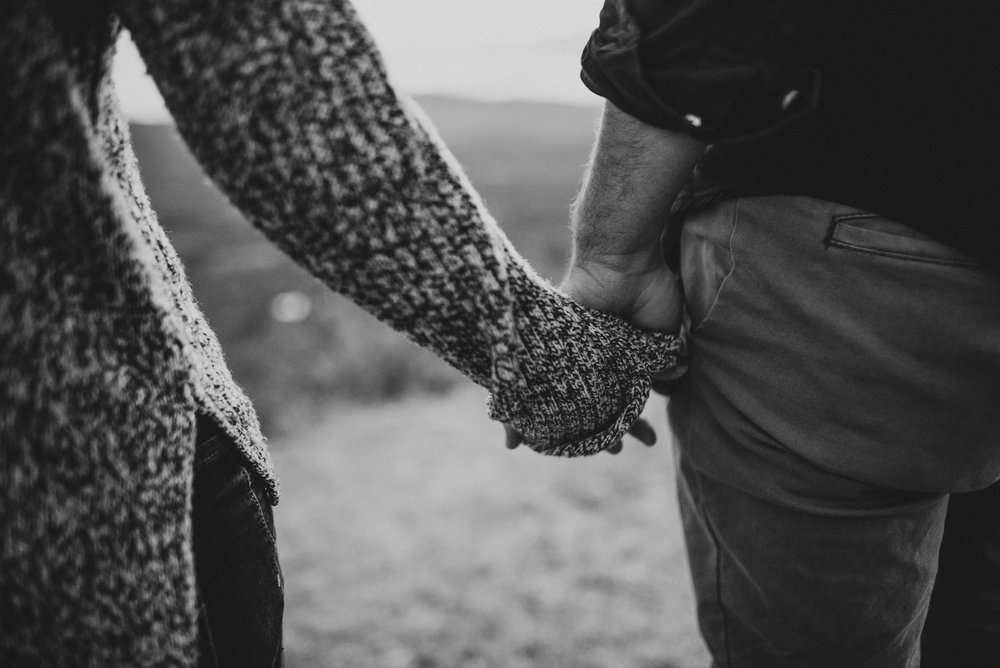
{"x":693,"y":121}
{"x":789,"y":99}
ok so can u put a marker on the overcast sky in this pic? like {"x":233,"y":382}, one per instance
{"x":485,"y":49}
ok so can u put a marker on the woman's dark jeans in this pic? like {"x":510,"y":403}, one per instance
{"x":240,"y":588}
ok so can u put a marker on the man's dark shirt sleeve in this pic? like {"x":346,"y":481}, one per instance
{"x":714,"y":69}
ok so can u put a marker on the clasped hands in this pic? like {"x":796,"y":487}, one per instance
{"x":643,"y":291}
{"x":634,"y":176}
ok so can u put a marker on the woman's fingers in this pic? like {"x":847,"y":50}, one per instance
{"x":641,"y":430}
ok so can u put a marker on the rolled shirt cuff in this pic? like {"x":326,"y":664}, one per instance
{"x":696,"y":90}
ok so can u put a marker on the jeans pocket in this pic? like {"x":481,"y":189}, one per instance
{"x":870,"y":233}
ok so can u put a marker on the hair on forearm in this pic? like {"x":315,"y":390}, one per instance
{"x":630,"y":181}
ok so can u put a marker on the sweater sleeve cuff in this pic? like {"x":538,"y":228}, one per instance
{"x":582,"y":377}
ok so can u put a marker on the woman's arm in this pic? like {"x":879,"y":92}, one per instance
{"x":286,"y":105}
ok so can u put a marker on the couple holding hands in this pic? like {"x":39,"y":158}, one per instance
{"x":135,"y":522}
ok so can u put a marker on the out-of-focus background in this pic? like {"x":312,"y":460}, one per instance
{"x":409,"y":536}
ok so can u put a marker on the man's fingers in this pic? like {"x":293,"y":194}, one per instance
{"x":615,"y":449}
{"x":643,"y":431}
{"x":512,"y":437}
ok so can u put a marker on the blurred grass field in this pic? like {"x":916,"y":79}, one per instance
{"x":410,"y":538}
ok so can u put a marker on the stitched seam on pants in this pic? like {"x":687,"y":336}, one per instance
{"x":277,"y":659}
{"x":718,"y":584}
{"x":699,"y":500}
{"x":279,"y":578}
{"x":732,"y":270}
{"x":208,"y":632}
{"x":260,"y":508}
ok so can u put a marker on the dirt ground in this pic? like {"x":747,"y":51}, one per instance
{"x":410,"y":538}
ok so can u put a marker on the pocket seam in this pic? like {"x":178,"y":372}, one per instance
{"x":207,"y":630}
{"x":260,"y":508}
{"x":732,"y":270}
{"x":262,"y":521}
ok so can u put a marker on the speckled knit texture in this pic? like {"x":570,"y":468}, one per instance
{"x":104,"y":355}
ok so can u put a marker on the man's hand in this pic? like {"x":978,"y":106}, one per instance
{"x":635,"y":173}
{"x":639,"y":289}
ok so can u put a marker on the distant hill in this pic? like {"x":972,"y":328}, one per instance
{"x":525,"y":159}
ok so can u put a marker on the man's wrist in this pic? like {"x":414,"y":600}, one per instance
{"x":626,"y":261}
{"x":634,"y":175}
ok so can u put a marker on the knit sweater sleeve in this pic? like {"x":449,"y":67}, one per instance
{"x":286,"y":105}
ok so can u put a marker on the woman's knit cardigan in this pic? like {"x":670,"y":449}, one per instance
{"x":104,"y":356}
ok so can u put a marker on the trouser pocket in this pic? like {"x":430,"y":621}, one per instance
{"x":707,"y":260}
{"x":870,"y":233}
